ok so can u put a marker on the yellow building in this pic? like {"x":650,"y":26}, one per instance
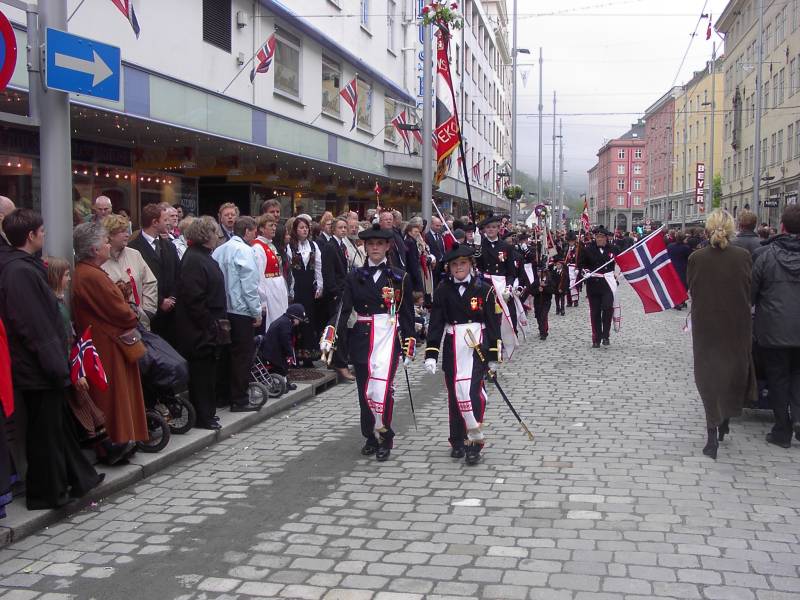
{"x":693,"y":117}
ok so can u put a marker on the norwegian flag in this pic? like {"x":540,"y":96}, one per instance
{"x":586,"y":224}
{"x":350,"y":95}
{"x":377,"y":189}
{"x":126,"y":8}
{"x":650,"y":272}
{"x":85,"y":362}
{"x":401,"y":119}
{"x":486,"y":177}
{"x":708,"y":30}
{"x":264,"y":58}
{"x":476,"y":170}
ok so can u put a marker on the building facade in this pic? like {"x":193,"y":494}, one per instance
{"x":593,"y":193}
{"x":191,"y":128}
{"x":780,"y":125}
{"x":621,"y":180}
{"x":659,"y":120}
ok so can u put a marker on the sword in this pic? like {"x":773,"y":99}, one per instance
{"x":408,"y":381}
{"x":330,"y":334}
{"x":473,"y":343}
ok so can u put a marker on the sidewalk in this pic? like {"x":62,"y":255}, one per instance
{"x":21,"y":522}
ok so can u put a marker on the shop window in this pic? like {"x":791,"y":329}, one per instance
{"x":217,"y":23}
{"x":389,"y":131}
{"x":331,"y":81}
{"x":365,"y":105}
{"x":287,"y":63}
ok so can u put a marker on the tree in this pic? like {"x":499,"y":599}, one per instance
{"x":716,"y":192}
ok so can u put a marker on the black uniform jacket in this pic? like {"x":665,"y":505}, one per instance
{"x":366,"y":297}
{"x":477,"y":305}
{"x":591,"y":258}
{"x":497,"y":258}
{"x":277,"y":346}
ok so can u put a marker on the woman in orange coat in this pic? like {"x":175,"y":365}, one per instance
{"x":98,"y":302}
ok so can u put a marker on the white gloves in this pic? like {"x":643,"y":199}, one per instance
{"x":492,"y":366}
{"x":407,"y":362}
{"x":430,"y":365}
{"x":506,"y":293}
{"x":325,"y":346}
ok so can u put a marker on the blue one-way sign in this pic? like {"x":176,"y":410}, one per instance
{"x":80,"y":65}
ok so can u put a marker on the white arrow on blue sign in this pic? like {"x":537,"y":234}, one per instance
{"x":82,"y":66}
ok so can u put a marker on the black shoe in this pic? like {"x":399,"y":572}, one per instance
{"x":457,"y":452}
{"x":797,"y":431}
{"x":473,"y":454}
{"x":382,"y":454}
{"x":712,"y":445}
{"x":606,"y":342}
{"x":116,"y":453}
{"x":236,"y":408}
{"x":291,"y":386}
{"x":368,"y":449}
{"x":724,"y":429}
{"x":771,"y":439}
{"x":211,"y":425}
{"x":595,"y":344}
{"x":542,"y":336}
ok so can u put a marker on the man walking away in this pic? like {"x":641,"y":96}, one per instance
{"x":747,"y":237}
{"x":775,"y":290}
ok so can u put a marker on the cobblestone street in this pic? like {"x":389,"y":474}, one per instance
{"x":613,"y":499}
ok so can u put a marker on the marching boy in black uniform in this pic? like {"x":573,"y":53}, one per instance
{"x":600,"y":287}
{"x":382,"y":298}
{"x":464,"y":304}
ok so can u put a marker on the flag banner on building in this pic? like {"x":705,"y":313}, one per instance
{"x":263,"y":58}
{"x":446,"y":134}
{"x":708,"y":30}
{"x":476,"y":171}
{"x":350,"y":95}
{"x":85,"y":362}
{"x":647,"y":267}
{"x":586,"y":224}
{"x":402,"y":119}
{"x":486,"y":177}
{"x":126,"y":8}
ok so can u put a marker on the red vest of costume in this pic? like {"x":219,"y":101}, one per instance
{"x":6,"y":385}
{"x":273,"y":268}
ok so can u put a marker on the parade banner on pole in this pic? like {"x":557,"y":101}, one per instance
{"x":446,"y":134}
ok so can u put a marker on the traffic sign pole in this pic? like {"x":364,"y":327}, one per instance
{"x":55,"y":151}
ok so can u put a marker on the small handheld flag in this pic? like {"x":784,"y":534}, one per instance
{"x":85,"y":362}
{"x":263,"y":58}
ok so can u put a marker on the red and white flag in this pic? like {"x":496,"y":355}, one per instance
{"x":476,"y":171}
{"x":263,"y":58}
{"x":126,"y":8}
{"x":85,"y":362}
{"x":350,"y":95}
{"x":708,"y":30}
{"x":647,"y":267}
{"x":586,"y":224}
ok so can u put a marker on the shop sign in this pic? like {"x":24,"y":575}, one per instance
{"x":700,"y":184}
{"x":8,"y":51}
{"x":791,"y":198}
{"x":772,"y":202}
{"x":189,"y":196}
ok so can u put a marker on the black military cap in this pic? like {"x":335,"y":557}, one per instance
{"x":489,"y":220}
{"x":457,"y":251}
{"x":376,"y":233}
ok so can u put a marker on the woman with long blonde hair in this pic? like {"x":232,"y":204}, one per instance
{"x":719,"y":287}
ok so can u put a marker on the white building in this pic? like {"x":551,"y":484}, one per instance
{"x":190,"y":127}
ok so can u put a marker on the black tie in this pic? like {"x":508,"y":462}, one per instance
{"x":379,"y":268}
{"x":157,"y":245}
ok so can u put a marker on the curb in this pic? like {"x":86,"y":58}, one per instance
{"x":21,"y":522}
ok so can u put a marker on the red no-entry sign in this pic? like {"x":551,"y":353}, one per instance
{"x":8,"y":51}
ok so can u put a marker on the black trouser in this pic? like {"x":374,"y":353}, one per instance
{"x":541,"y":309}
{"x":57,"y":469}
{"x":203,"y":387}
{"x":783,"y":378}
{"x":560,"y":298}
{"x":601,"y":311}
{"x":341,"y":352}
{"x":367,"y":418}
{"x":477,"y":395}
{"x":241,"y":352}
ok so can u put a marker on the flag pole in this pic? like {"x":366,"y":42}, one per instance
{"x":636,"y":245}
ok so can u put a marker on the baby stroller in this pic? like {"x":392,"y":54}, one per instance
{"x":165,"y":376}
{"x":264,"y":383}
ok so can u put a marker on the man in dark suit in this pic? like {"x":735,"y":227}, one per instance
{"x":397,"y":252}
{"x":334,"y":272}
{"x":161,"y":256}
{"x":435,"y":240}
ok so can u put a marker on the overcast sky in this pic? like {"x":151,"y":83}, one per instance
{"x":601,"y":56}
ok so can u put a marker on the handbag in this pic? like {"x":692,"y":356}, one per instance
{"x":222,"y":332}
{"x":130,"y":342}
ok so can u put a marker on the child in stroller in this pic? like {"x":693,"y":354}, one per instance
{"x":275,"y":348}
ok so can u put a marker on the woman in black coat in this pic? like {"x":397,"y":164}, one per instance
{"x":200,"y":304}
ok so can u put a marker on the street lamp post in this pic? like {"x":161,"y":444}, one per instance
{"x":427,"y":124}
{"x":759,"y":108}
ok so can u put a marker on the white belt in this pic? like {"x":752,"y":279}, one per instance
{"x":451,"y":329}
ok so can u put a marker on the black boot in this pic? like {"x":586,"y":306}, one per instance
{"x":712,"y":445}
{"x":473,"y":454}
{"x":724,"y":429}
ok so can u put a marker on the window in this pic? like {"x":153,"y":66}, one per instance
{"x":389,"y":130}
{"x":637,"y":200}
{"x":364,"y":105}
{"x":797,"y":138}
{"x":287,"y":63}
{"x":637,"y":153}
{"x":458,"y":59}
{"x":781,"y":80}
{"x":773,"y":153}
{"x":764,"y":150}
{"x":637,"y":169}
{"x":620,"y":169}
{"x":467,"y":110}
{"x":637,"y":184}
{"x":621,"y":153}
{"x":779,"y":21}
{"x":767,"y":39}
{"x":779,"y":155}
{"x":364,"y":14}
{"x":792,"y":77}
{"x":766,"y":96}
{"x":774,"y":92}
{"x":620,"y":199}
{"x":391,"y":17}
{"x":467,"y":60}
{"x":620,"y":184}
{"x":789,"y":141}
{"x":331,"y":81}
{"x":217,"y":23}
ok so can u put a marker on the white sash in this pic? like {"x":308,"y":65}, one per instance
{"x":529,"y":272}
{"x":574,"y":294}
{"x":617,"y":310}
{"x":379,"y":362}
{"x":463,"y":356}
{"x":510,"y":340}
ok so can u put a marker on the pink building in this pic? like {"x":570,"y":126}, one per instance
{"x":621,"y":180}
{"x":659,"y":138}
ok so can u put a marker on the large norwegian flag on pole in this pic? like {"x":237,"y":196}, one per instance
{"x":263,"y":58}
{"x":647,"y":267}
{"x":586,"y":224}
{"x":126,"y":8}
{"x":350,"y":95}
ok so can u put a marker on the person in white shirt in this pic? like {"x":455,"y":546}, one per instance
{"x":305,"y":262}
